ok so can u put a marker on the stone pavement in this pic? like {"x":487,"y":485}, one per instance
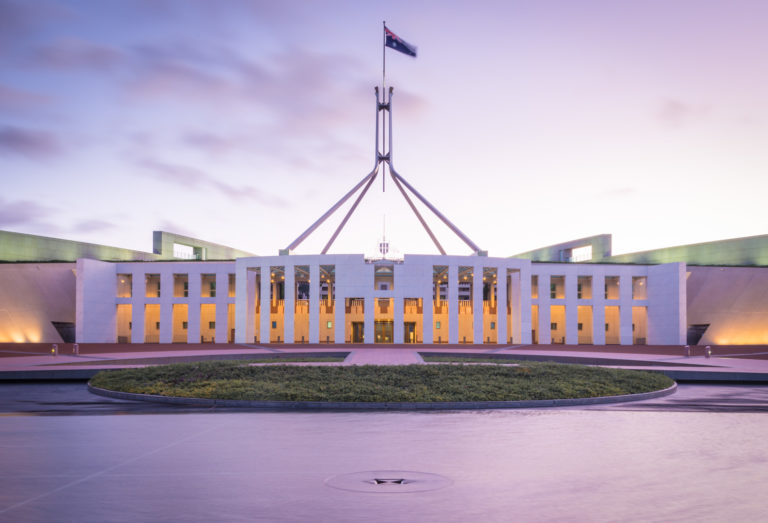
{"x":725,"y":365}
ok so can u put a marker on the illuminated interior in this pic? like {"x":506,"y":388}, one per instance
{"x":440,"y":303}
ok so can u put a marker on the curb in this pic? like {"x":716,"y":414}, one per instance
{"x":338,"y":405}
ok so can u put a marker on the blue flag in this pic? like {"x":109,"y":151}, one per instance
{"x":398,"y":44}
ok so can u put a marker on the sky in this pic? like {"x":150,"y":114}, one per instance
{"x":527,"y":123}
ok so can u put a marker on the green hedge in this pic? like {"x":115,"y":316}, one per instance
{"x":373,"y":383}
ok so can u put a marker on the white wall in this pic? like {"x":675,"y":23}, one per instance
{"x":32,"y":295}
{"x":96,"y":305}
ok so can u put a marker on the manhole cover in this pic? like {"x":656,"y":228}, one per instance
{"x":388,"y":481}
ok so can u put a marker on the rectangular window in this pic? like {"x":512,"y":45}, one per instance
{"x":534,"y":286}
{"x":578,"y":290}
{"x":553,"y":326}
{"x":584,"y":287}
{"x":580,"y":326}
{"x":437,"y":325}
{"x":606,"y":327}
{"x":184,"y":325}
{"x":329,"y":325}
{"x":207,"y":285}
{"x":157,"y":325}
{"x":211,"y":324}
{"x":181,"y":286}
{"x":639,"y":288}
{"x":557,"y":287}
{"x":152,"y":285}
{"x":274,"y":324}
{"x":124,"y":285}
{"x":493,"y":325}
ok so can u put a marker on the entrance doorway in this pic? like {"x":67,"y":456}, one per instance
{"x":410,"y":332}
{"x":384,"y":330}
{"x":357,"y":332}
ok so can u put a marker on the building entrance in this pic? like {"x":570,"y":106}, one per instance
{"x":409,"y":332}
{"x":384,"y":330}
{"x":357,"y":332}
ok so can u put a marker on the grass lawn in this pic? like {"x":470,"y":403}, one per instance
{"x":243,"y":359}
{"x":374,"y":383}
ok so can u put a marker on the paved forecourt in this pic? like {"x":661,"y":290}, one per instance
{"x":729,"y":364}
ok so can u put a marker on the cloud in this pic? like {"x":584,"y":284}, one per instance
{"x":209,"y":142}
{"x":92,"y":226}
{"x":675,"y":113}
{"x":176,"y":174}
{"x":169,"y":226}
{"x":20,"y":18}
{"x":76,"y":54}
{"x":25,"y":142}
{"x":12,"y":99}
{"x":23,"y":212}
{"x":178,"y":80}
{"x":190,"y":177}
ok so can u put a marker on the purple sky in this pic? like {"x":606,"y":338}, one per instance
{"x":526,"y":123}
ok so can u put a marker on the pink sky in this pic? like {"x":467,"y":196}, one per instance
{"x":526,"y":123}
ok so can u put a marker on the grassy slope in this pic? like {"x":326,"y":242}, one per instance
{"x":369,"y":383}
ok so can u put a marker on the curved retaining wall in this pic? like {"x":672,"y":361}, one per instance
{"x":339,"y":405}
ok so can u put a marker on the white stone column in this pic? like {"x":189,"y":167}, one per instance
{"x":521,"y":307}
{"x":477,"y":305}
{"x":369,"y":332}
{"x":166,"y":307}
{"x":222,"y":291}
{"x":245,"y":310}
{"x":340,"y":319}
{"x":545,"y":317}
{"x":398,"y":317}
{"x":314,"y":303}
{"x":571,"y":308}
{"x":501,"y":305}
{"x":453,"y":303}
{"x":290,"y":303}
{"x":625,"y":309}
{"x":427,"y":318}
{"x":138,"y":293}
{"x":598,"y":309}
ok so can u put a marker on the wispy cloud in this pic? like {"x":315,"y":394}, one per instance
{"x":93,"y":225}
{"x":193,"y":178}
{"x":75,"y":53}
{"x":12,"y":98}
{"x":23,"y":212}
{"x":676,"y":113}
{"x":19,"y":18}
{"x":169,"y":226}
{"x":33,"y":144}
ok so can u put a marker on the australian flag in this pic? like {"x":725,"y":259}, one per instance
{"x":398,"y":44}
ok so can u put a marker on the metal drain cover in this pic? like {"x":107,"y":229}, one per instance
{"x":388,"y":481}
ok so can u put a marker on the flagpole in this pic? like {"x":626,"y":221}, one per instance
{"x":383,"y":56}
{"x":383,"y":91}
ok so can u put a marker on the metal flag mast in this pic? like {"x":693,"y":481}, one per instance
{"x":382,"y":157}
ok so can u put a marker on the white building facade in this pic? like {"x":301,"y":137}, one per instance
{"x":422,"y":299}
